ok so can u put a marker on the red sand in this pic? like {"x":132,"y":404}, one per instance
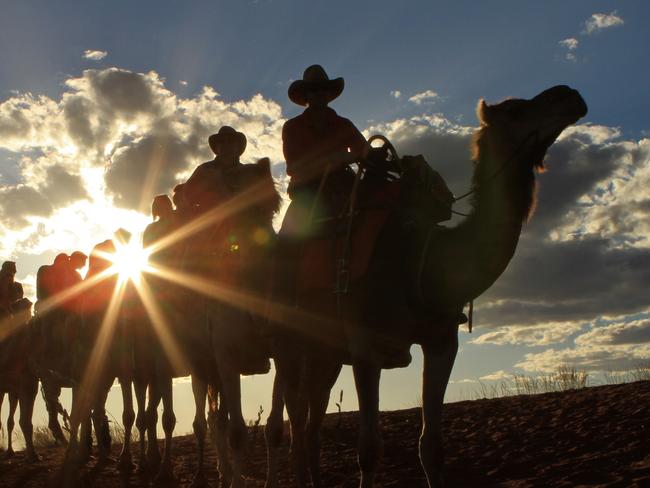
{"x":592,"y":437}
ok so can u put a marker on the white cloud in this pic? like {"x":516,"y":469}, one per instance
{"x":571,"y":44}
{"x":94,"y":55}
{"x":425,"y":97}
{"x":463,"y":381}
{"x":395,"y":93}
{"x":633,"y":332}
{"x":182,"y":82}
{"x":599,"y":21}
{"x":113,"y":137}
{"x":500,"y":375}
{"x":530,"y":335}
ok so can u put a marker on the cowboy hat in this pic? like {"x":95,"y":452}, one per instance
{"x":227,"y":133}
{"x":315,"y":77}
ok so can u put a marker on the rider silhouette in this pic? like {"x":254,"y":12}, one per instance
{"x":317,"y":144}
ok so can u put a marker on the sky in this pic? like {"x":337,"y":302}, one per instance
{"x":91,"y":92}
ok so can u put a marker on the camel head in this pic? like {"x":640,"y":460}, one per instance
{"x":526,"y":128}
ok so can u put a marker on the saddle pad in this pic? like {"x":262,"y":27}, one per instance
{"x":319,"y":257}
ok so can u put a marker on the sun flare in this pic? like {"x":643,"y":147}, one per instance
{"x":129,"y":260}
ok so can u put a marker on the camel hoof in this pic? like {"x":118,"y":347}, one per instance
{"x":199,"y":480}
{"x":238,"y":483}
{"x":142,"y":468}
{"x":104,"y":459}
{"x":153,"y":461}
{"x":124,"y":463}
{"x":32,"y":457}
{"x":165,"y":476}
{"x":9,"y":453}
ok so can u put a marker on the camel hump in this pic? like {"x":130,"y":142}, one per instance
{"x":425,"y":190}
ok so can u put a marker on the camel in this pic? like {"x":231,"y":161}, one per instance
{"x":417,"y":284}
{"x":17,"y":378}
{"x":102,"y":352}
{"x":164,"y":347}
{"x":235,"y":340}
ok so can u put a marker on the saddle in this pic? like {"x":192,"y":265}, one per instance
{"x":322,"y":257}
{"x":340,"y":253}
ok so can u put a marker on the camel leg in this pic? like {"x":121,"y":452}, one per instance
{"x":73,"y":444}
{"x":13,"y":404}
{"x":231,"y":388}
{"x":153,"y":454}
{"x":2,"y":398}
{"x":140,"y":388}
{"x":166,"y":472}
{"x":200,"y":390}
{"x":51,"y":392}
{"x":221,"y":441}
{"x":26,"y":398}
{"x":319,"y":395}
{"x":438,"y":362}
{"x":125,"y":462}
{"x":100,"y":422}
{"x":290,"y":365}
{"x":366,"y":378}
{"x":273,"y":432}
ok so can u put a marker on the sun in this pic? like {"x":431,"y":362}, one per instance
{"x":129,"y":260}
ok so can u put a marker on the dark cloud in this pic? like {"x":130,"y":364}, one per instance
{"x":574,"y":170}
{"x":149,"y":164}
{"x":124,"y":92}
{"x":20,"y":201}
{"x":578,"y":279}
{"x":77,"y":112}
{"x":59,"y":189}
{"x":62,"y":188}
{"x":13,"y":120}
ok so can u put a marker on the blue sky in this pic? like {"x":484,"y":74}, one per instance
{"x":414,"y":70}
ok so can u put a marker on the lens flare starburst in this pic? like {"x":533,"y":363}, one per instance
{"x":129,"y":261}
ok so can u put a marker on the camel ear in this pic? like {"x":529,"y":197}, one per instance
{"x":482,"y":112}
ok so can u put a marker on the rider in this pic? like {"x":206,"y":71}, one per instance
{"x":239,"y":200}
{"x":163,"y":225}
{"x":245,"y":192}
{"x":319,"y":145}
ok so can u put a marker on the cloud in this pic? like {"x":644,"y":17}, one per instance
{"x":94,"y":55}
{"x":531,"y":335}
{"x":19,"y":202}
{"x":182,"y":83}
{"x":114,"y":138}
{"x":571,"y":44}
{"x":396,"y":94}
{"x":599,"y":21}
{"x":425,"y":97}
{"x":620,"y":333}
{"x":619,"y":346}
{"x":500,"y":375}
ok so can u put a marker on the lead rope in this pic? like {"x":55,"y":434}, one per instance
{"x":343,"y":268}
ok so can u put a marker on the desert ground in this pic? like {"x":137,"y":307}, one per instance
{"x":595,"y":436}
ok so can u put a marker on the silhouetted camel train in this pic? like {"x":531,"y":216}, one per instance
{"x":222,"y":293}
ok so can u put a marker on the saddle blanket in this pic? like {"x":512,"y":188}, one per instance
{"x":320,"y":257}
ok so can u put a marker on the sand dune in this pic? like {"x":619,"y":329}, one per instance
{"x":591,"y":437}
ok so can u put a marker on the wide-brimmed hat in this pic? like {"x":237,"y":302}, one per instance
{"x":227,"y":133}
{"x":315,"y":77}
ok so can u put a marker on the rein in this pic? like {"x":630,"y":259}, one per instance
{"x":534,"y":133}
